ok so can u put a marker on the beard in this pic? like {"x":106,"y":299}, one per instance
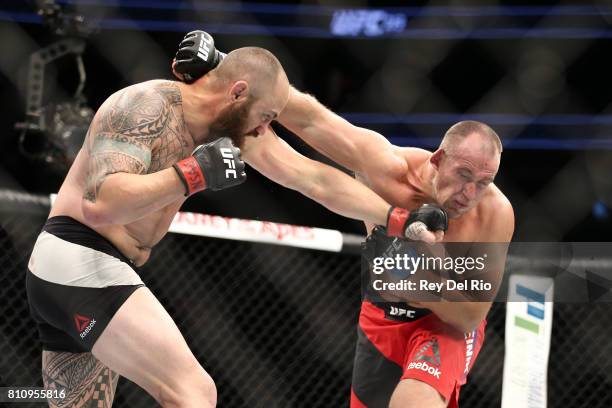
{"x":232,"y":123}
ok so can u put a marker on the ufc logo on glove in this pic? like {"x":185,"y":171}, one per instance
{"x":228,"y":159}
{"x":204,"y":48}
{"x":210,"y":166}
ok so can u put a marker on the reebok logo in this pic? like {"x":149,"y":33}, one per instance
{"x":430,"y":352}
{"x":228,"y":159}
{"x":83,"y":324}
{"x":423,"y":366}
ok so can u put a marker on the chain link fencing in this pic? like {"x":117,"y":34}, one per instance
{"x":276,"y":326}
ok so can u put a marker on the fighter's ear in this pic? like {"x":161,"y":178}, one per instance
{"x":239,"y":90}
{"x":436,"y":157}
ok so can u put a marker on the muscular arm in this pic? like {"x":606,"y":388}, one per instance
{"x":358,"y":149}
{"x":330,"y":187}
{"x":464,"y":314}
{"x":119,"y":187}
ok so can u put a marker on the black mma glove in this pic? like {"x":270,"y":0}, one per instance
{"x":214,"y":166}
{"x":196,"y":56}
{"x":403,"y":223}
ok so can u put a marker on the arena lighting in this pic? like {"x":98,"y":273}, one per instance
{"x":323,"y":21}
{"x":600,"y":210}
{"x":53,"y":133}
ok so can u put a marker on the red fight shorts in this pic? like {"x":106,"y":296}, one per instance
{"x":396,"y":344}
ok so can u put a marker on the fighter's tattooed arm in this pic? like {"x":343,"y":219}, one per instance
{"x":112,"y":153}
{"x":127,"y":128}
{"x":87,"y":382}
{"x":134,"y":139}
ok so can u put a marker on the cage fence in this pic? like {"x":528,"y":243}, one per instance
{"x":276,"y":326}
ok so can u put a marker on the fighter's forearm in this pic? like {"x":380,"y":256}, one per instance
{"x":124,"y":198}
{"x":327,"y":185}
{"x":346,"y":196}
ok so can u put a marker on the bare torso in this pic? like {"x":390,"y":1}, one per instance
{"x":169,"y":142}
{"x":401,"y":186}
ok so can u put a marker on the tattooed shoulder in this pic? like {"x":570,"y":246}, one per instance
{"x":122,"y":134}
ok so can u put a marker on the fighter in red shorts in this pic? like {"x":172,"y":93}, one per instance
{"x":415,"y":353}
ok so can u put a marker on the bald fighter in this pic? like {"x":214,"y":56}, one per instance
{"x":396,"y":342}
{"x":417,"y":354}
{"x":148,"y":148}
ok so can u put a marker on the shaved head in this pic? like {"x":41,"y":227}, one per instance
{"x":480,"y":135}
{"x":258,"y":66}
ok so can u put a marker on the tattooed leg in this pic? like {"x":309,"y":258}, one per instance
{"x":88,"y":383}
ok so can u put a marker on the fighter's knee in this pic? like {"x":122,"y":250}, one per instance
{"x":195,"y":390}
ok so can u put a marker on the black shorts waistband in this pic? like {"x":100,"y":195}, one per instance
{"x":71,"y":230}
{"x":401,"y":311}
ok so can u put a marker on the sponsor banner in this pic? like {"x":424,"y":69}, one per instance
{"x":529,"y":317}
{"x":256,"y":231}
{"x":267,"y":232}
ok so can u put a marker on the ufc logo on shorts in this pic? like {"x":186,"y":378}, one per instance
{"x":396,"y":311}
{"x":204,"y":48}
{"x":228,"y":159}
{"x":423,"y":366}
